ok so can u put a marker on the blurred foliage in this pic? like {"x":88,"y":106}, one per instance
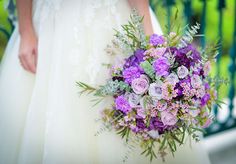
{"x":212,"y":18}
{"x":4,"y":23}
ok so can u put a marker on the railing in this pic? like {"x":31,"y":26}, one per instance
{"x":218,"y":126}
{"x":230,"y":121}
{"x":10,"y":7}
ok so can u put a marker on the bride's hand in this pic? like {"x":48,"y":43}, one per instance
{"x":28,"y":51}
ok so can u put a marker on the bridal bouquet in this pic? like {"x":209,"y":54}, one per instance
{"x":161,"y":89}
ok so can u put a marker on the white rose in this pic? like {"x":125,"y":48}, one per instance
{"x":153,"y":133}
{"x":182,"y":72}
{"x":155,"y":90}
{"x":133,"y":99}
{"x":172,"y":78}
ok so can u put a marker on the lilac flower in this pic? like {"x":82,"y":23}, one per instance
{"x":156,"y":124}
{"x":141,"y":113}
{"x":134,"y":128}
{"x":196,"y":81}
{"x":168,"y":118}
{"x":182,"y":72}
{"x":131,"y":73}
{"x":156,"y":39}
{"x":200,"y":92}
{"x":182,"y":58}
{"x":140,"y":85}
{"x":161,"y":66}
{"x":140,"y":124}
{"x":122,"y":104}
{"x":207,"y":86}
{"x":135,"y":59}
{"x":205,"y":99}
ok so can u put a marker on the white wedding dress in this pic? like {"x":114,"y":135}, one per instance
{"x":42,"y":118}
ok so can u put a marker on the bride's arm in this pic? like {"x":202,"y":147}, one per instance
{"x":143,"y":8}
{"x":28,"y":38}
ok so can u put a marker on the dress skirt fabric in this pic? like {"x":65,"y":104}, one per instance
{"x":42,"y":118}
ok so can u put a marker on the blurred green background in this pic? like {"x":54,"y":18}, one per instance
{"x":212,"y":20}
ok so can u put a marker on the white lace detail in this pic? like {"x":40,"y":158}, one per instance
{"x":54,"y":4}
{"x":91,"y":17}
{"x":91,"y":9}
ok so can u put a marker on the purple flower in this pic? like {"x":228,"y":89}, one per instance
{"x":161,"y":66}
{"x":168,"y":118}
{"x":140,"y":85}
{"x":140,"y":113}
{"x":140,"y":124}
{"x":131,"y":73}
{"x":156,"y":39}
{"x":135,"y":59}
{"x":207,"y":86}
{"x":122,"y":104}
{"x":205,"y":99}
{"x":182,"y":58}
{"x":156,"y":124}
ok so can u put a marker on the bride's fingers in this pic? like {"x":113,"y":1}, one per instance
{"x":23,"y":62}
{"x":31,"y":62}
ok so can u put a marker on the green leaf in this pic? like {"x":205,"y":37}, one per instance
{"x":148,"y":69}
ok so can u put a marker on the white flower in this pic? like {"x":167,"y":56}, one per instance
{"x":155,"y":90}
{"x":182,"y":72}
{"x":153,"y":133}
{"x":196,"y":81}
{"x":172,"y":78}
{"x":133,"y":99}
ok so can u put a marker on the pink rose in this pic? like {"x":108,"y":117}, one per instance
{"x":168,"y":118}
{"x":140,"y":85}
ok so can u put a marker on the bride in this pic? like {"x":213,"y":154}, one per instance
{"x":42,"y":118}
